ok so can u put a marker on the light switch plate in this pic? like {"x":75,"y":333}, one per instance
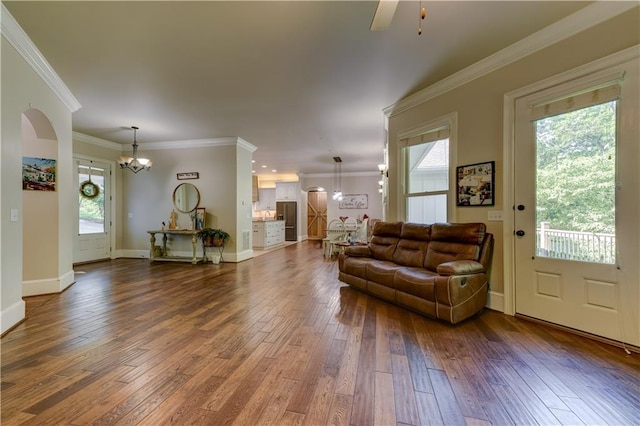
{"x":14,"y":215}
{"x":494,"y":215}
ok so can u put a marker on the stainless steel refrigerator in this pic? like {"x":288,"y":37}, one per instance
{"x":287,"y":211}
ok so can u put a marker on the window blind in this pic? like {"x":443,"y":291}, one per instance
{"x":603,"y":93}
{"x":431,"y":136}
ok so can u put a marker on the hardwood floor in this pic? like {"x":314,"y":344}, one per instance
{"x":279,"y":340}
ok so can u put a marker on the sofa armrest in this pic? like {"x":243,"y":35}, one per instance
{"x":357,"y":251}
{"x":460,"y":267}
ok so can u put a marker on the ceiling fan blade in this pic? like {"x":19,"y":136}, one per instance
{"x":384,"y":14}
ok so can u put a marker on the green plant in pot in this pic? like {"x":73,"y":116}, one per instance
{"x":213,"y":237}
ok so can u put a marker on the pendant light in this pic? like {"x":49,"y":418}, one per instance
{"x":337,"y":188}
{"x":134,"y":163}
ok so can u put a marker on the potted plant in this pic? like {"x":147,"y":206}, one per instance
{"x":213,"y":237}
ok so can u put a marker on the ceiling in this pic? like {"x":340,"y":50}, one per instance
{"x":303,"y":81}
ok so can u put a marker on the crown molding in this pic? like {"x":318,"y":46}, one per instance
{"x":194,"y":143}
{"x":15,"y":35}
{"x":333,"y":175}
{"x":200,"y":143}
{"x":581,"y":20}
{"x":92,"y":140}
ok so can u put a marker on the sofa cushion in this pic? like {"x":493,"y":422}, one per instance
{"x":454,"y":241}
{"x":355,"y":266}
{"x":358,"y":251}
{"x":412,"y":246}
{"x":416,"y":231}
{"x":417,"y":282}
{"x":465,"y":233}
{"x":382,"y":272}
{"x":460,"y":267}
{"x":385,"y":239}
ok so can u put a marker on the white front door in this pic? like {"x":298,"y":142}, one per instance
{"x":93,"y":237}
{"x":577,"y":199}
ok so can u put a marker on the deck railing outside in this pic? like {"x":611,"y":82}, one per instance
{"x":571,"y":245}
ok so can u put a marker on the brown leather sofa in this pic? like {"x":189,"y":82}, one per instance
{"x":438,"y":270}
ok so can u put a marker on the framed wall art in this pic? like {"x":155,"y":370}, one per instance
{"x":475,"y":184}
{"x":188,"y":175}
{"x":38,"y":174}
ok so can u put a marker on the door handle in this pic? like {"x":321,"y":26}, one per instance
{"x":520,"y":233}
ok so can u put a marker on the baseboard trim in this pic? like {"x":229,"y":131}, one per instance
{"x":132,"y":254}
{"x":48,"y":285}
{"x":228,"y":257}
{"x":12,"y":316}
{"x":495,"y":301}
{"x":67,"y":279}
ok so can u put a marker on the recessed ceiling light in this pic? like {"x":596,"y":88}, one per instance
{"x":273,"y":170}
{"x":253,"y":161}
{"x":253,"y":171}
{"x":264,"y":166}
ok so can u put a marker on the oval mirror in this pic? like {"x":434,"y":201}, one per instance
{"x":186,"y":197}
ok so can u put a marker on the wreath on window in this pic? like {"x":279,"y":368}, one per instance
{"x":89,"y":189}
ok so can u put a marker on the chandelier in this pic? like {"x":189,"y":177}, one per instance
{"x":134,"y":163}
{"x":337,"y":177}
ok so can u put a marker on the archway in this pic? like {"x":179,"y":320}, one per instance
{"x":40,"y":199}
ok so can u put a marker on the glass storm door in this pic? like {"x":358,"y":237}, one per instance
{"x":93,"y":225}
{"x":576,"y":200}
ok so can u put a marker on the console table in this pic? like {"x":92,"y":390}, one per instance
{"x":163,"y":255}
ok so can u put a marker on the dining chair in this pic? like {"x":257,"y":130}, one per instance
{"x":335,"y":233}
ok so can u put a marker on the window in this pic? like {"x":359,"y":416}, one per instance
{"x":426,"y":156}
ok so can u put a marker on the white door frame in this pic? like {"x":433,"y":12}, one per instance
{"x":612,"y":60}
{"x":112,"y":202}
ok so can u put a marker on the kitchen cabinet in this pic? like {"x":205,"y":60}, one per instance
{"x":266,"y":199}
{"x":287,"y":191}
{"x":268,"y":233}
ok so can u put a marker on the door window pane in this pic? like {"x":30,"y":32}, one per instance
{"x":575,"y":184}
{"x":91,"y":210}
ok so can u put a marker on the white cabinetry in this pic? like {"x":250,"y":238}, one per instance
{"x":266,"y":199}
{"x":268,"y":233}
{"x":287,"y":191}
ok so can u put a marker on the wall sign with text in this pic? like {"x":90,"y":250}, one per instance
{"x":189,"y":175}
{"x":354,"y":201}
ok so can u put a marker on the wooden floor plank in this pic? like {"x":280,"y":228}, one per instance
{"x":279,"y":340}
{"x":340,"y":410}
{"x":385,"y":409}
{"x":404,"y":391}
{"x":428,"y":410}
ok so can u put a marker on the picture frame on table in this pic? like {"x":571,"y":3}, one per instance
{"x":200,"y":217}
{"x":475,"y":185}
